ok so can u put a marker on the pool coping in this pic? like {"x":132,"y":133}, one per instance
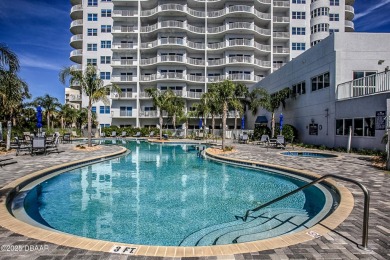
{"x":326,"y":225}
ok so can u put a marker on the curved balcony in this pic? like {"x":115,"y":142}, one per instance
{"x":124,"y":14}
{"x":281,"y":36}
{"x":123,"y":79}
{"x":172,"y":41}
{"x":76,"y":12}
{"x":163,"y":76}
{"x":318,"y":36}
{"x":244,"y":43}
{"x":349,"y":26}
{"x":123,"y":63}
{"x":76,"y":26}
{"x":123,"y":95}
{"x":122,"y":30}
{"x":76,"y":56}
{"x":281,"y":5}
{"x":266,"y":2}
{"x":349,"y":12}
{"x":172,"y":76}
{"x":74,"y":98}
{"x":76,"y":41}
{"x":76,"y":67}
{"x":281,"y":51}
{"x":123,"y":46}
{"x":318,"y":4}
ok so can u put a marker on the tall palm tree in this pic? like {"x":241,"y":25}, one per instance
{"x":225,"y":92}
{"x":257,"y":98}
{"x":238,"y":102}
{"x":13,"y":91}
{"x":49,"y":104}
{"x":68,"y":115}
{"x":275,"y":101}
{"x":175,"y":109}
{"x":91,"y":85}
{"x":213,"y":106}
{"x":161,"y":100}
{"x":8,"y":59}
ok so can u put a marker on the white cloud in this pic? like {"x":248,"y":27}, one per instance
{"x":371,"y":9}
{"x":37,"y":62}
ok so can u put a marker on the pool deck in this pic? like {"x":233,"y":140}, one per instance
{"x":340,"y":243}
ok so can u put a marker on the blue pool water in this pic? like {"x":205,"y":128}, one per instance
{"x":160,"y":195}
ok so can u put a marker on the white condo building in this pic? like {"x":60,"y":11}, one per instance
{"x":186,"y":45}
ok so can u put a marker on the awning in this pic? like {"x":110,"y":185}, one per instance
{"x":261,"y":120}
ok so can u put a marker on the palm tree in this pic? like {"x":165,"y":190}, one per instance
{"x":275,"y":100}
{"x":225,"y":91}
{"x":161,"y":100}
{"x":49,"y":104}
{"x":175,"y":109}
{"x":214,"y":107}
{"x":258,"y":97}
{"x":13,"y":91}
{"x":8,"y":59}
{"x":238,"y":102}
{"x":91,"y":85}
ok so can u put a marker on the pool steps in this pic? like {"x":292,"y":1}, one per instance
{"x":260,"y":225}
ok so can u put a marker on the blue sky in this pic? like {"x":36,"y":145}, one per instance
{"x":38,"y":31}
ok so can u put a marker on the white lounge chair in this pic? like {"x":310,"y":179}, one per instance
{"x":280,"y":142}
{"x":264,"y":140}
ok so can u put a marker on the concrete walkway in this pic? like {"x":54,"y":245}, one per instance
{"x":338,"y":244}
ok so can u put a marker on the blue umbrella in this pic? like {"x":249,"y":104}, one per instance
{"x":200,"y":123}
{"x":281,"y":122}
{"x":39,"y":117}
{"x":243,"y":122}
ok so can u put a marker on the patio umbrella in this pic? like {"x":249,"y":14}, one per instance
{"x":281,"y":123}
{"x":39,"y":117}
{"x":243,"y":122}
{"x":200,"y":123}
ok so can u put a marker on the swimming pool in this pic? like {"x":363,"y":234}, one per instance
{"x":166,"y":195}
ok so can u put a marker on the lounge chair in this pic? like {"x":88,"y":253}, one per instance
{"x":113,"y":134}
{"x":74,"y":134}
{"x":264,"y":140}
{"x":280,"y":142}
{"x":38,"y":145}
{"x":53,"y":144}
{"x":138,"y":134}
{"x":124,"y":133}
{"x":7,"y":162}
{"x":181,"y":135}
{"x":151,"y":135}
{"x":103,"y":135}
{"x":20,"y":145}
{"x":244,"y":139}
{"x":66,"y":138}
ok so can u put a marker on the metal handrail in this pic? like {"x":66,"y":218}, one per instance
{"x":366,"y":203}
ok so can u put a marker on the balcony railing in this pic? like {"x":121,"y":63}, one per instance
{"x":282,"y":3}
{"x":123,"y":95}
{"x":281,"y":34}
{"x":78,"y":22}
{"x":124,"y":29}
{"x":278,"y":65}
{"x":122,"y":78}
{"x":125,"y":113}
{"x":123,"y":45}
{"x":152,"y":113}
{"x":123,"y":62}
{"x":124,"y":13}
{"x":76,"y":53}
{"x":279,"y":19}
{"x":281,"y":50}
{"x":74,"y":98}
{"x":77,"y":37}
{"x":370,"y":85}
{"x":191,"y":94}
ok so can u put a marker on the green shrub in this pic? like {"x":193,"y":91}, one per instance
{"x":261,"y":130}
{"x":288,"y":132}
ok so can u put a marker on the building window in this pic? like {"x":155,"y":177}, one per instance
{"x":333,"y":30}
{"x":92,"y":17}
{"x":92,"y":32}
{"x":362,"y":74}
{"x":299,"y":89}
{"x":106,"y":28}
{"x":126,"y":111}
{"x":106,"y":13}
{"x":94,"y":109}
{"x":105,"y":59}
{"x":91,"y":47}
{"x":92,"y":62}
{"x":322,"y":27}
{"x":298,"y":15}
{"x":299,"y":1}
{"x":361,"y":126}
{"x":104,"y":109}
{"x":105,"y":75}
{"x":298,"y":30}
{"x":105,"y":44}
{"x":320,"y":82}
{"x":298,"y":46}
{"x":334,"y":17}
{"x":106,"y":0}
{"x":92,"y":2}
{"x":334,"y":2}
{"x":323,"y":11}
{"x":314,"y":43}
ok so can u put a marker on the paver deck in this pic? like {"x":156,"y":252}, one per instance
{"x":338,"y":244}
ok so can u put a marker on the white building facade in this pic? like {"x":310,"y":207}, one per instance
{"x":340,"y":83}
{"x":187,"y":45}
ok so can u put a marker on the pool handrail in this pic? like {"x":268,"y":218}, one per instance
{"x":366,"y":192}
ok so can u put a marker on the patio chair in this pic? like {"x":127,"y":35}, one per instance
{"x":53,"y":144}
{"x":124,"y":133}
{"x":26,"y":133}
{"x":151,"y":135}
{"x":113,"y":134}
{"x":244,"y":139}
{"x":138,"y":134}
{"x":280,"y":142}
{"x":264,"y":140}
{"x":38,"y":145}
{"x":181,"y":135}
{"x":21,"y":145}
{"x":66,"y":138}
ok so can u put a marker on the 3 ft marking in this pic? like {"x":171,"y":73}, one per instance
{"x":127,"y":250}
